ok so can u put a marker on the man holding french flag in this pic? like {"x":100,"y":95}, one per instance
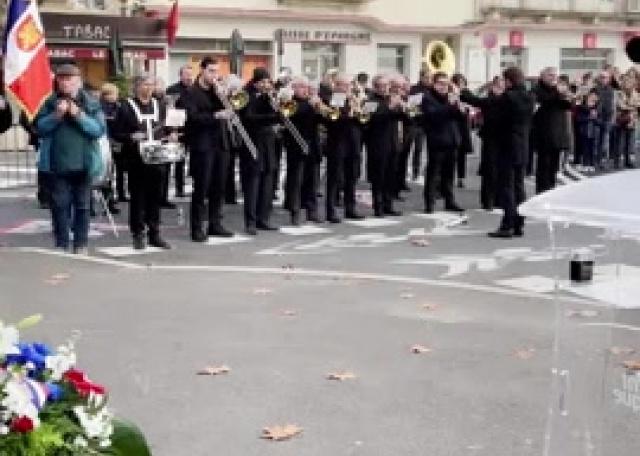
{"x":68,"y":122}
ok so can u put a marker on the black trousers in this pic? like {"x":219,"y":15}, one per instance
{"x":295,"y":176}
{"x":461,"y":163}
{"x":343,"y":170}
{"x":180,"y":169}
{"x":547,"y":168}
{"x":310,"y":183}
{"x":120,"y":166}
{"x":488,"y":174}
{"x":408,"y":141}
{"x":209,"y":172}
{"x":419,"y":143}
{"x":146,"y":187}
{"x":258,"y":190}
{"x":382,"y":174}
{"x":440,"y":172}
{"x":511,"y":194}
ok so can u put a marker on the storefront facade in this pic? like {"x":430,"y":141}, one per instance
{"x":306,"y":45}
{"x":573,"y":52}
{"x":84,"y":39}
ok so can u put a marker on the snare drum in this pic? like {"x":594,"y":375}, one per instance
{"x":158,"y":152}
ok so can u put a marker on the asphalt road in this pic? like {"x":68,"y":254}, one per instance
{"x":284,"y":310}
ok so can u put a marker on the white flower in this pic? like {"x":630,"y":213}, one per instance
{"x":9,"y":338}
{"x":61,"y":362}
{"x":18,"y":402}
{"x":96,"y":424}
{"x":80,"y":441}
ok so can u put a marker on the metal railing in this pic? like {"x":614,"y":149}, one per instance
{"x":17,"y":159}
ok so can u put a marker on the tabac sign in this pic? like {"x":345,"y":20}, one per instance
{"x":326,"y":36}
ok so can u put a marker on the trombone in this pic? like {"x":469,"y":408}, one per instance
{"x":287,"y":108}
{"x":234,"y":121}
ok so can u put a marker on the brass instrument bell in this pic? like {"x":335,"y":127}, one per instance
{"x":239,"y":100}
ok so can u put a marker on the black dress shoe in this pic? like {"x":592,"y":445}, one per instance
{"x":157,"y":241}
{"x":198,"y":236}
{"x":453,"y":207}
{"x":167,"y":205}
{"x":392,"y":212}
{"x":353,"y":215}
{"x":123,"y":199}
{"x":405,"y":188}
{"x":428,"y":210}
{"x":251,"y":231}
{"x":180,"y":195}
{"x":333,"y":219}
{"x":266,"y":227}
{"x":501,"y":234}
{"x":219,"y":231}
{"x":138,"y":242}
{"x":518,"y":232}
{"x":295,"y":219}
{"x":378,"y":213}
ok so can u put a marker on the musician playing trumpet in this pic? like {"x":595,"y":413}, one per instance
{"x":257,"y":173}
{"x":303,"y":168}
{"x":344,"y":152}
{"x":382,"y":143}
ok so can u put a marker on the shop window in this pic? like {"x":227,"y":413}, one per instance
{"x":317,"y":58}
{"x":392,"y":58}
{"x":89,"y":4}
{"x":513,"y":57}
{"x":576,"y":61}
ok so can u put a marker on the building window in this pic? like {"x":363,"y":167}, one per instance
{"x":513,"y":57}
{"x":392,"y":58}
{"x":89,"y":4}
{"x":317,"y":58}
{"x":576,"y":61}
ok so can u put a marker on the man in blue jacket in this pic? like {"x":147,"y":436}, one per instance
{"x":69,"y":125}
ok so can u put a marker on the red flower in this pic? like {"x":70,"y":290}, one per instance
{"x":22,"y":425}
{"x":82,"y":384}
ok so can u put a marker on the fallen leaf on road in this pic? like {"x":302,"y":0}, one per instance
{"x":214,"y":370}
{"x":262,"y":291}
{"x":288,"y":313}
{"x":526,"y":353}
{"x":633,"y":365}
{"x":407,"y":296}
{"x":420,"y":242}
{"x":429,"y":307}
{"x":582,"y":313}
{"x":57,"y":279}
{"x":617,"y":351}
{"x":279,"y":433}
{"x":420,"y":349}
{"x":342,"y":376}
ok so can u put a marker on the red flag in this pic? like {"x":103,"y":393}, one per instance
{"x":26,"y":60}
{"x":172,"y":24}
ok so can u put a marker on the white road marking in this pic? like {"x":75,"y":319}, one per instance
{"x":373,"y":222}
{"x":534,"y":283}
{"x":335,"y":275}
{"x":125,"y":251}
{"x":614,"y":325}
{"x":236,"y":239}
{"x":304,"y":230}
{"x":85,"y":258}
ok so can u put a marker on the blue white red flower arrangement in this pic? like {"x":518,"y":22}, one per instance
{"x":50,"y":408}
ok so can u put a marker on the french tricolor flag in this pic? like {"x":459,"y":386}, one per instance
{"x":27,"y":74}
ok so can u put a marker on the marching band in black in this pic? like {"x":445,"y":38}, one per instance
{"x":343,"y":120}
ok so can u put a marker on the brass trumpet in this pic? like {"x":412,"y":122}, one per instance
{"x":328,"y":112}
{"x":239,"y":100}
